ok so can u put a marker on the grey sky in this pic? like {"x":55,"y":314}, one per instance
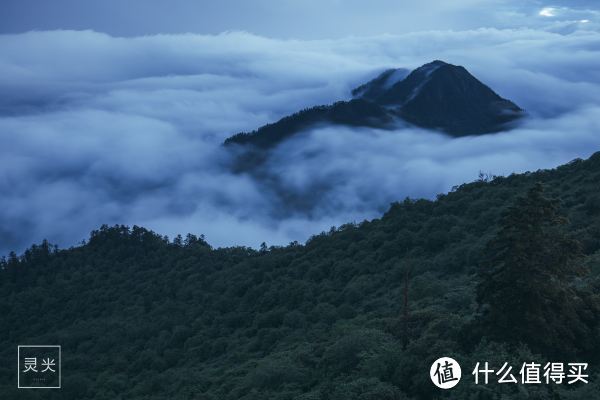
{"x":303,"y":19}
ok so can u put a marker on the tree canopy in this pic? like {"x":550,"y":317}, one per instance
{"x":140,"y":316}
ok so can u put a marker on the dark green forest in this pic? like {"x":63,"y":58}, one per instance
{"x":503,"y":269}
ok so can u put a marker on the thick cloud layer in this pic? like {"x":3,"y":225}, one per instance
{"x":97,"y":129}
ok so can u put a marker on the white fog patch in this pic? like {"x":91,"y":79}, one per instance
{"x":367,"y":167}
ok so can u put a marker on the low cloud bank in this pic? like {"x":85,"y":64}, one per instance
{"x":96,"y":129}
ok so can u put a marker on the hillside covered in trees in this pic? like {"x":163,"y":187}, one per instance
{"x":500,"y":270}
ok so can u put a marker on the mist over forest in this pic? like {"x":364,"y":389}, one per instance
{"x":101,"y":129}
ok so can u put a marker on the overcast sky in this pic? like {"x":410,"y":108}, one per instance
{"x":111,"y":114}
{"x":301,"y":19}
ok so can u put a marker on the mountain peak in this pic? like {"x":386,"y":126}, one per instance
{"x":431,"y":66}
{"x":439,"y":95}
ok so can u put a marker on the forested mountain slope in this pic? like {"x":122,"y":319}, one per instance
{"x":142,"y":317}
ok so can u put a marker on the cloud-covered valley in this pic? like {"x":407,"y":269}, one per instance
{"x":96,"y":129}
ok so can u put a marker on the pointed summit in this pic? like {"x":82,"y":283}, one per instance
{"x":405,"y":90}
{"x":443,"y":96}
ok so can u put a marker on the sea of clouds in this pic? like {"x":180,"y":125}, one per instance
{"x":96,"y":129}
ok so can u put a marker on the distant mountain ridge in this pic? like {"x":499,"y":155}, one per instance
{"x":437,"y":95}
